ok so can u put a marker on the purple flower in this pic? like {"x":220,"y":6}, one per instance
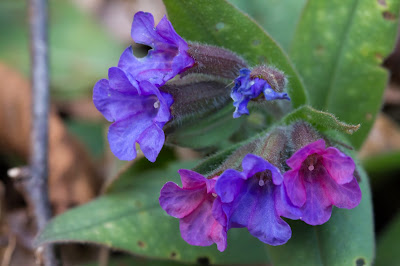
{"x":168,"y":57}
{"x":139,"y":111}
{"x":198,"y":209}
{"x":255,"y":198}
{"x":319,"y":179}
{"x":247,"y":88}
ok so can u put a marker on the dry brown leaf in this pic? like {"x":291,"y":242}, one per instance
{"x":73,"y":178}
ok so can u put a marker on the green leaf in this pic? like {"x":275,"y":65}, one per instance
{"x":212,"y":131}
{"x":320,"y":120}
{"x":346,"y":239}
{"x":277,"y":17}
{"x":387,"y":253}
{"x":219,"y":23}
{"x":129,"y":217}
{"x":338,"y":48}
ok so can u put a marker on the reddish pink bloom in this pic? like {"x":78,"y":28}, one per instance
{"x":198,"y":208}
{"x":321,"y":177}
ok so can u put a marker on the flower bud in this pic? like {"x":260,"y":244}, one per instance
{"x":213,"y":60}
{"x":303,"y":134}
{"x":275,"y":78}
{"x":250,"y":85}
{"x":195,"y":96}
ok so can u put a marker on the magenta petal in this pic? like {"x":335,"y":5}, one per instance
{"x":191,"y":179}
{"x":318,"y":208}
{"x":200,"y":227}
{"x":345,"y":196}
{"x":340,"y":166}
{"x":218,"y":212}
{"x":179,"y":202}
{"x":284,"y":206}
{"x":295,"y":188}
{"x":151,"y":142}
{"x":299,"y":156}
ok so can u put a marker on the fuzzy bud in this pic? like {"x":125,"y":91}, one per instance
{"x":213,"y":60}
{"x":303,"y":134}
{"x":275,"y":78}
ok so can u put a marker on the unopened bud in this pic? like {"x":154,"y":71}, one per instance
{"x":195,"y":96}
{"x":303,"y":134}
{"x":275,"y":78}
{"x":213,"y":60}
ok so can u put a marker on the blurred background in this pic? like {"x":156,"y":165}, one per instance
{"x":86,"y":37}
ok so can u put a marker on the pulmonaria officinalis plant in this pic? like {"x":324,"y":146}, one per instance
{"x":142,"y":95}
{"x":286,"y":174}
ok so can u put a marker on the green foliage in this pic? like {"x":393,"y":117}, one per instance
{"x":219,"y":23}
{"x":320,"y":120}
{"x":387,"y":253}
{"x":277,"y":17}
{"x":338,"y":48}
{"x":212,"y":131}
{"x":129,"y":217}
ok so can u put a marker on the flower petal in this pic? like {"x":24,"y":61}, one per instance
{"x":218,"y":212}
{"x":295,"y":187}
{"x":253,"y":164}
{"x":318,"y":208}
{"x":151,"y":142}
{"x":123,"y":134}
{"x":191,"y":179}
{"x":299,"y":156}
{"x":284,"y":206}
{"x":200,"y":227}
{"x":265,"y":223}
{"x":168,"y":57}
{"x":120,"y":81}
{"x":345,"y":196}
{"x":340,"y":166}
{"x":116,"y":105}
{"x":229,"y":184}
{"x":179,"y":202}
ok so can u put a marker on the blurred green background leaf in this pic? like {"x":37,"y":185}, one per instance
{"x":278,"y":17}
{"x":338,"y":48}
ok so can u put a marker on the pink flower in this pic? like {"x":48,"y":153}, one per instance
{"x":320,"y":178}
{"x":198,"y":208}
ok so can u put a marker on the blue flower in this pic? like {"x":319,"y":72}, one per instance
{"x":247,"y":88}
{"x":131,"y":97}
{"x":255,"y":198}
{"x":168,"y":56}
{"x":139,"y":111}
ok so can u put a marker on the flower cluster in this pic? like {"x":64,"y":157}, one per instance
{"x":249,"y":87}
{"x":131,"y":97}
{"x":261,"y":194}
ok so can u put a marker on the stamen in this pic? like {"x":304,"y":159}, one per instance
{"x":311,"y":167}
{"x":261,"y":182}
{"x":156,"y":104}
{"x":214,"y":194}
